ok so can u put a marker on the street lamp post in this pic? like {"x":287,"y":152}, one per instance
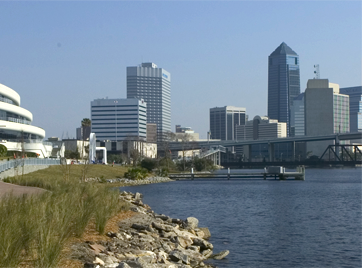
{"x":281,"y":157}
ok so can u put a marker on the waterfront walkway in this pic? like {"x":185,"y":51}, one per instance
{"x":17,"y":190}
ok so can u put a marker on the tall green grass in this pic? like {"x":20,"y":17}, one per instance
{"x":36,"y":227}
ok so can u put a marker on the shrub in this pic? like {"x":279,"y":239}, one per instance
{"x":136,"y":173}
{"x":3,"y":150}
{"x":148,"y":164}
{"x":162,"y":172}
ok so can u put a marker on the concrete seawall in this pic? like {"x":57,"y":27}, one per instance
{"x":27,"y":169}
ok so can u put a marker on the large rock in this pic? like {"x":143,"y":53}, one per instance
{"x":177,"y":255}
{"x":123,"y":265}
{"x":203,"y":244}
{"x":192,"y":222}
{"x":137,"y":196}
{"x":220,"y":255}
{"x":207,"y":253}
{"x":184,"y":241}
{"x":206,"y":232}
{"x":162,"y":227}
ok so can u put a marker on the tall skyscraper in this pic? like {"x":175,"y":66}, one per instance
{"x":154,"y":86}
{"x":223,"y":121}
{"x":283,"y":83}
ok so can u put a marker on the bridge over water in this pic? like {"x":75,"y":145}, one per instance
{"x":192,"y":145}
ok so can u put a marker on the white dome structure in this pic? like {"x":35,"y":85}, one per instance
{"x":16,"y":130}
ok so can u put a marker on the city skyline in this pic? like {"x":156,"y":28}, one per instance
{"x":59,"y":58}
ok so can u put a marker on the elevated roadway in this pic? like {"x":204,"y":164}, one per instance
{"x":192,"y":145}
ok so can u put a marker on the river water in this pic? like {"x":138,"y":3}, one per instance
{"x":272,"y":223}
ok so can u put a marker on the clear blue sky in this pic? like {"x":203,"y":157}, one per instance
{"x":59,"y":56}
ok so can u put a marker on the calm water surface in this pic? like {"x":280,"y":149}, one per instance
{"x":311,"y":223}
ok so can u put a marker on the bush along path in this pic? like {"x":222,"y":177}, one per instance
{"x":149,"y":240}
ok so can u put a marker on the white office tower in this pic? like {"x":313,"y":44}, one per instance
{"x":118,"y":119}
{"x":154,"y":86}
{"x":261,"y":128}
{"x":326,"y":112}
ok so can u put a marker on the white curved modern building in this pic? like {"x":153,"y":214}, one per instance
{"x":16,"y":128}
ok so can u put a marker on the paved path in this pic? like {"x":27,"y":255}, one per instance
{"x":18,"y":190}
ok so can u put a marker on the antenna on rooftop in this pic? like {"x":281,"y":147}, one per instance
{"x":316,"y":71}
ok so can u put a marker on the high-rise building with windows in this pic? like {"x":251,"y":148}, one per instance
{"x":355,"y":107}
{"x":154,"y":86}
{"x":297,"y":116}
{"x":326,"y":112}
{"x":283,"y":83}
{"x":119,"y":119}
{"x":223,"y":121}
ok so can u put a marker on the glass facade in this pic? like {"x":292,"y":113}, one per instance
{"x":283,"y":83}
{"x":223,"y":121}
{"x":355,"y":107}
{"x":340,"y":113}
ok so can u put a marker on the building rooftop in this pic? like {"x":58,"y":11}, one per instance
{"x":283,"y":49}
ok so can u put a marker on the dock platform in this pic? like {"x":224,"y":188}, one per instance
{"x":275,"y":172}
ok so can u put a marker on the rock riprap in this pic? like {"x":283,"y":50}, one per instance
{"x":150,"y":240}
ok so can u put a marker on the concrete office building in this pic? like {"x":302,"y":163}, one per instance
{"x":180,"y":129}
{"x":283,"y":83}
{"x":154,"y":86}
{"x":223,"y":121}
{"x":263,"y":128}
{"x":297,"y":116}
{"x":83,"y":132}
{"x":260,"y":128}
{"x":355,"y":107}
{"x":326,"y":112}
{"x":151,"y":133}
{"x":145,"y":149}
{"x":118,"y":119}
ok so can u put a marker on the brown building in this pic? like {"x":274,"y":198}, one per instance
{"x":151,"y":132}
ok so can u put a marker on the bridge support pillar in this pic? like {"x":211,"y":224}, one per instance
{"x":271,"y":151}
{"x":336,"y":143}
{"x":293,"y":150}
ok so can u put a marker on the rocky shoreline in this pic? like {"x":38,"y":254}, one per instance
{"x":150,"y":240}
{"x":129,"y":182}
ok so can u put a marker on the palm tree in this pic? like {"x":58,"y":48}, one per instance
{"x":86,"y":122}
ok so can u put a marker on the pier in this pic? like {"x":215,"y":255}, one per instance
{"x":274,"y":172}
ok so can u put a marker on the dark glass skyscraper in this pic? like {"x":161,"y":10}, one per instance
{"x":283,"y":84}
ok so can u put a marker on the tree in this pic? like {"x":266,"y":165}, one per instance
{"x":149,"y":164}
{"x":116,"y":158}
{"x":167,"y":137}
{"x":185,"y":139}
{"x":71,"y":154}
{"x":3,"y":150}
{"x":135,"y":155}
{"x":86,"y":122}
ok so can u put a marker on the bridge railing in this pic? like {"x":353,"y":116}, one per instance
{"x":5,"y":165}
{"x":213,"y":150}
